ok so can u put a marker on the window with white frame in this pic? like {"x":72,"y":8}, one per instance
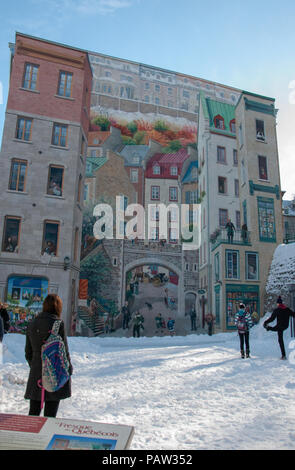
{"x":252,"y":267}
{"x":232,"y":264}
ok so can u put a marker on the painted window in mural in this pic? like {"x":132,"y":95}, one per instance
{"x":232,"y":264}
{"x":252,"y":266}
{"x":50,"y":238}
{"x":55,"y":180}
{"x":65,"y":84}
{"x":11,"y":234}
{"x":24,"y":128}
{"x":266,"y":219}
{"x":18,"y":175}
{"x":262,"y":167}
{"x":25,"y":296}
{"x":235,"y":294}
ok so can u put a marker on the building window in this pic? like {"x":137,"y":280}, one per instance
{"x":155,"y":192}
{"x":50,"y":238}
{"x":65,"y":84}
{"x":55,"y":180}
{"x":30,"y":77}
{"x":147,"y":99}
{"x":185,"y":94}
{"x":79,"y":194}
{"x":262,"y":166}
{"x":17,"y":181}
{"x":260,"y":135}
{"x":223,"y":217}
{"x":24,"y":128}
{"x":154,"y":213}
{"x":76,"y":244}
{"x":134,"y":176}
{"x":238,"y":220}
{"x":232,"y":126}
{"x":173,"y":235}
{"x":222,"y":186}
{"x":157,"y":88}
{"x":157,"y":100}
{"x":156,"y":170}
{"x":173,"y":195}
{"x":154,"y":232}
{"x":169,"y":91}
{"x":235,"y":157}
{"x":60,"y":135}
{"x":231,"y":264}
{"x":86,"y":192}
{"x":173,"y":171}
{"x":237,"y":188}
{"x":219,"y":122}
{"x":266,"y":219}
{"x":147,"y":85}
{"x":216,"y":267}
{"x":221,"y":155}
{"x":252,"y":267}
{"x":241,"y":135}
{"x":11,"y":234}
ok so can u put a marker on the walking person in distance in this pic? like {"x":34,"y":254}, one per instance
{"x":38,"y":331}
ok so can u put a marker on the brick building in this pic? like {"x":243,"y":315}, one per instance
{"x":42,"y":168}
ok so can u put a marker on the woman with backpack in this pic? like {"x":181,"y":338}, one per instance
{"x":243,"y":321}
{"x":37,"y":334}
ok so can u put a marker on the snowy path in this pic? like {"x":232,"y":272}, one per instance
{"x":187,"y":393}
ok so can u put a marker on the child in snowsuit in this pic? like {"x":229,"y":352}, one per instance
{"x":243,"y":321}
{"x":170,"y":326}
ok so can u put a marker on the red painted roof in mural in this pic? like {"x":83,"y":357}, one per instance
{"x":165,"y":161}
{"x":96,"y":138}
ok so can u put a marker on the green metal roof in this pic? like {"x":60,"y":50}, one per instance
{"x":213,"y":108}
{"x":93,"y":164}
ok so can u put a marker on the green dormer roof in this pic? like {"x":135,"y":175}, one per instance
{"x":213,"y":108}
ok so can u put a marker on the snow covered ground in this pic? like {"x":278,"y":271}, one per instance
{"x":180,"y":393}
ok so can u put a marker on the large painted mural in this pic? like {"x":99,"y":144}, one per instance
{"x":139,"y":128}
{"x":25,"y":297}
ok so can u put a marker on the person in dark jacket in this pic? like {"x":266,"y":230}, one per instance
{"x":282,"y":314}
{"x":4,"y":321}
{"x":37,"y":333}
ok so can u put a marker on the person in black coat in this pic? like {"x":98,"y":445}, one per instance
{"x":282,"y":314}
{"x":4,"y":321}
{"x":37,"y":333}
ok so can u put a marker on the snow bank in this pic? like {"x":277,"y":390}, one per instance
{"x":190,"y":392}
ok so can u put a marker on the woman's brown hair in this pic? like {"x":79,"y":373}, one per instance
{"x":53,"y":304}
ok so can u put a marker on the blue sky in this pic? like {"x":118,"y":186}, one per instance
{"x":249,"y":45}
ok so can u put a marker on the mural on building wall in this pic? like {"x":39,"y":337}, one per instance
{"x":153,"y":291}
{"x":138,"y":128}
{"x":24,"y":300}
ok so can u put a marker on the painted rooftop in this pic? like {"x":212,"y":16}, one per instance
{"x":134,"y":155}
{"x":191,"y":175}
{"x":93,"y":164}
{"x":213,"y":108}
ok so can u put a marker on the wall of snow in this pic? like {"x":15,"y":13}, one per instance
{"x":281,"y":275}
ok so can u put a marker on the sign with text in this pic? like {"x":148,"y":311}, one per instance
{"x":20,"y":432}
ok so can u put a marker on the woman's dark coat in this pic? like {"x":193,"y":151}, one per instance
{"x":37,"y":333}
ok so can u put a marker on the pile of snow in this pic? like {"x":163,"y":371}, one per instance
{"x":282,"y":270}
{"x":192,"y":392}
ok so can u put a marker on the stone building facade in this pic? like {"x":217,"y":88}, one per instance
{"x":42,"y":166}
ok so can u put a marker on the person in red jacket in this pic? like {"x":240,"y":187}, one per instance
{"x":282,"y":314}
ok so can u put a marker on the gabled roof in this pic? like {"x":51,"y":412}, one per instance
{"x":165,"y":161}
{"x":93,"y":164}
{"x":97,"y":138}
{"x":132,"y":152}
{"x":213,"y":108}
{"x":189,"y":176}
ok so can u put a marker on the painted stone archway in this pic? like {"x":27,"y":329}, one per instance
{"x":162,"y":263}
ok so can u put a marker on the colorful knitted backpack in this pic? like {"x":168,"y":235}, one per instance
{"x":55,"y":364}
